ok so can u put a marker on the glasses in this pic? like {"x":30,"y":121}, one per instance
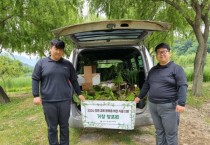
{"x":161,"y":52}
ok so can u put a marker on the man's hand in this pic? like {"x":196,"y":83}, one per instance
{"x":37,"y":101}
{"x":82,"y":98}
{"x":137,"y":100}
{"x":180,"y":108}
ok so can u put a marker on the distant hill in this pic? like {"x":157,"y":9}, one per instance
{"x":25,"y":60}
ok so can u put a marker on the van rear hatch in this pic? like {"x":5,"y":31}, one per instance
{"x":112,"y":32}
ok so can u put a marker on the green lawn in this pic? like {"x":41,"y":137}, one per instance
{"x":22,"y":123}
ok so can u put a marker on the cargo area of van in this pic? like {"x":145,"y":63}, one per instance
{"x":117,"y":74}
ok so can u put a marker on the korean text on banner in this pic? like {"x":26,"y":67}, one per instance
{"x":109,"y":114}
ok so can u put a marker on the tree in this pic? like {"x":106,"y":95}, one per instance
{"x":25,"y":25}
{"x":132,"y":9}
{"x":188,"y":17}
{"x":3,"y":96}
{"x":198,"y":19}
{"x":9,"y":69}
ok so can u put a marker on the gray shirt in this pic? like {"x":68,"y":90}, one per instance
{"x":53,"y":79}
{"x":165,"y":84}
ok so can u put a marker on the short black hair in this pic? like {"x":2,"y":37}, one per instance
{"x":162,"y":45}
{"x":58,"y":43}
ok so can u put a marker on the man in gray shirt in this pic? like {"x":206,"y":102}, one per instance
{"x":53,"y":78}
{"x":166,"y":85}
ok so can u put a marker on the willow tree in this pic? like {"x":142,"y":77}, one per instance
{"x":199,"y":19}
{"x":132,"y":9}
{"x":9,"y":69}
{"x":186,"y":16}
{"x":25,"y":25}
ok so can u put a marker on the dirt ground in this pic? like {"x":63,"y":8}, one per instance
{"x":194,"y":129}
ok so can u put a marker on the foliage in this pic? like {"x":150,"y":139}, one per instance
{"x":206,"y":76}
{"x":118,"y":79}
{"x":132,"y":9}
{"x":109,"y":91}
{"x":189,"y":73}
{"x":23,"y":30}
{"x":184,"y":60}
{"x":198,"y":101}
{"x":196,"y":14}
{"x":18,"y":84}
{"x":187,"y":46}
{"x":160,"y":10}
{"x":187,"y":18}
{"x":25,"y":25}
{"x":132,"y":76}
{"x":9,"y":68}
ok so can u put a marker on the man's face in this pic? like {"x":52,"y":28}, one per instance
{"x":163,"y":56}
{"x":56,"y":53}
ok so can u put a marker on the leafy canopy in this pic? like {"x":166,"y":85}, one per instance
{"x":9,"y":68}
{"x":25,"y":25}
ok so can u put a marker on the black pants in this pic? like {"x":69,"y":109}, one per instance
{"x":57,"y":114}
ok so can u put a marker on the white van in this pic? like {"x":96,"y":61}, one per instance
{"x":112,"y":47}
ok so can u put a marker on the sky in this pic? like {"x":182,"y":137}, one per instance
{"x":23,"y":57}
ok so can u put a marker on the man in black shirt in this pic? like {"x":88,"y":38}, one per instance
{"x":52,"y":78}
{"x":166,"y":86}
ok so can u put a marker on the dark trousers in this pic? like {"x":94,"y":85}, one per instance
{"x":166,"y":121}
{"x":57,"y":114}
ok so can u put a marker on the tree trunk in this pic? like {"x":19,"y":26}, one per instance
{"x":199,"y":61}
{"x":197,"y":22}
{"x":198,"y":72}
{"x":3,"y":96}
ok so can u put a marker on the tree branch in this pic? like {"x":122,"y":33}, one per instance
{"x":185,"y":2}
{"x":205,"y":19}
{"x":204,"y":4}
{"x":180,"y":10}
{"x":5,"y":19}
{"x":205,"y":8}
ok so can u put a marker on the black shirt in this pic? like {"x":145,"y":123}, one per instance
{"x":52,"y":80}
{"x":165,"y":84}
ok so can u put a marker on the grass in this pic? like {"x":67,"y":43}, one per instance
{"x":198,"y":101}
{"x":109,"y":137}
{"x":22,"y":123}
{"x":18,"y":84}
